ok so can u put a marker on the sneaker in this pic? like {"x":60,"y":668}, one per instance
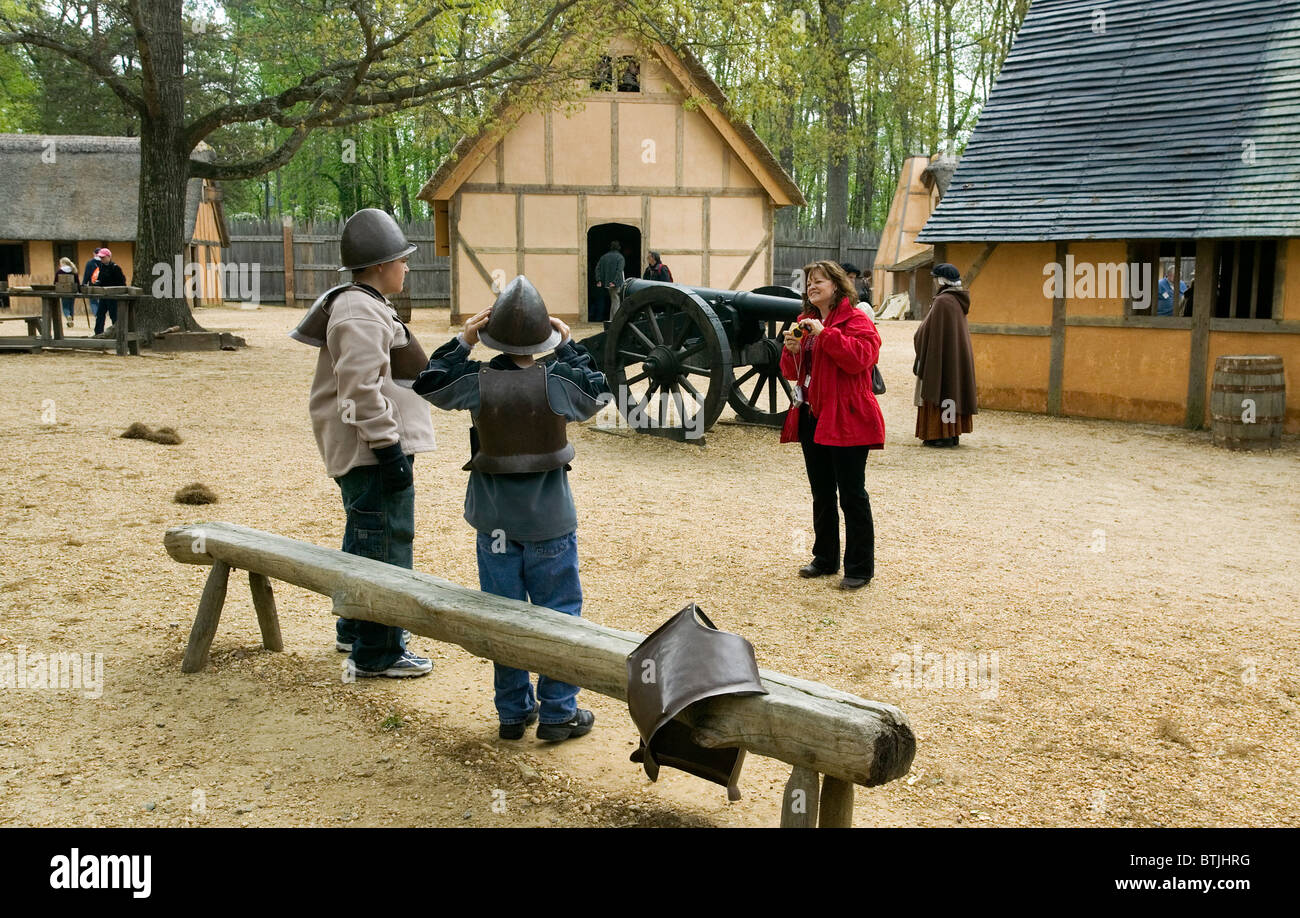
{"x":580,"y":725}
{"x":516,"y":731}
{"x":341,"y":647}
{"x":408,"y":664}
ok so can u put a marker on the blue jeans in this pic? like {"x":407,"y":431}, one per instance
{"x":380,"y":525}
{"x":68,"y":307}
{"x":545,"y":574}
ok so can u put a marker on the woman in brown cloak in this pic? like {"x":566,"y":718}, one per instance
{"x":945,"y":364}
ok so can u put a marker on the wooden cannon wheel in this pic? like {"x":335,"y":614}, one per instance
{"x":668,"y":362}
{"x":759,"y":393}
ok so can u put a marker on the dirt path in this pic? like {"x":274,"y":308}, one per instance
{"x":1138,"y":587}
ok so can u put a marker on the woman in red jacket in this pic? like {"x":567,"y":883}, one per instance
{"x":836,"y":420}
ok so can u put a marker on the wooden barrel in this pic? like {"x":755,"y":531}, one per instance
{"x":1248,"y":402}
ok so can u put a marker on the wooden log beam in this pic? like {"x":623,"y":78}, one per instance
{"x":799,"y":722}
{"x":205,"y":623}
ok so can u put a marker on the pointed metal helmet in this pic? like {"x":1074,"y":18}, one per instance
{"x":520,"y":323}
{"x":372,"y":237}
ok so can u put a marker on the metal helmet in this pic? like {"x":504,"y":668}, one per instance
{"x":520,"y":323}
{"x":372,"y":237}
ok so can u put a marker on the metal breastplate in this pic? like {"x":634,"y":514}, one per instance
{"x":517,"y":432}
{"x":406,"y":361}
{"x":682,"y":662}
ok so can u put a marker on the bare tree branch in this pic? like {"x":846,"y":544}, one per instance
{"x":277,"y":108}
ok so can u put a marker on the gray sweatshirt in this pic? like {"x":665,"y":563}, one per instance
{"x":355,"y":406}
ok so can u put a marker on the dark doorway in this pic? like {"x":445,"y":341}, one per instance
{"x":66,"y":250}
{"x":13,"y":260}
{"x":598,"y":240}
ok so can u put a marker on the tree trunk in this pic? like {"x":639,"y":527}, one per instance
{"x":161,"y":234}
{"x":841,"y":103}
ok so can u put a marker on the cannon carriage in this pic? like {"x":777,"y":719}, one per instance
{"x":675,"y":355}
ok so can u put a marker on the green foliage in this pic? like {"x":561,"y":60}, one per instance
{"x":827,"y":84}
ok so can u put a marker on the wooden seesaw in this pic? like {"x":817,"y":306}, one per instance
{"x":833,"y":739}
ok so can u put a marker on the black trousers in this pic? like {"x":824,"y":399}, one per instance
{"x":842,"y":469}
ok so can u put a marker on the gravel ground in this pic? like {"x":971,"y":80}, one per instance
{"x":1129,"y":593}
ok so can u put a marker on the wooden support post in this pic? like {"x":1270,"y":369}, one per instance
{"x":1198,"y":361}
{"x":1056,"y":368}
{"x":288,"y":261}
{"x":836,"y":804}
{"x":264,"y":603}
{"x":205,"y":623}
{"x":799,"y":805}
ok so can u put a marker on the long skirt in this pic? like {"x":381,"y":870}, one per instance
{"x":930,"y":424}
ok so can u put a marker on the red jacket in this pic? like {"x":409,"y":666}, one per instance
{"x":840,"y":392}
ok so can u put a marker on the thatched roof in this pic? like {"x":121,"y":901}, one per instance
{"x":940,"y":172}
{"x":89,"y":191}
{"x":441,"y":186}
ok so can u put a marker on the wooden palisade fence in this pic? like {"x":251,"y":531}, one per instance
{"x":833,"y":739}
{"x":310,"y":252}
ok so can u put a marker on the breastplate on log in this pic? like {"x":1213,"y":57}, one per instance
{"x":683,"y":661}
{"x":517,"y":432}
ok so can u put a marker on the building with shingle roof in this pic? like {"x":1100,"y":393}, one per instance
{"x":1124,"y":138}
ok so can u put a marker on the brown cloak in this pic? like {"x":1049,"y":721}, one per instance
{"x":945,"y":362}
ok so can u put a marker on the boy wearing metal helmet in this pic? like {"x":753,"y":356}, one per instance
{"x":518,"y":496}
{"x":367,"y":427}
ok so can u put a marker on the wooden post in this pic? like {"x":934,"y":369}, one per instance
{"x":205,"y":623}
{"x":264,"y":603}
{"x":799,"y":803}
{"x":836,"y":804}
{"x":288,"y":261}
{"x":1198,"y":360}
{"x":1056,"y":368}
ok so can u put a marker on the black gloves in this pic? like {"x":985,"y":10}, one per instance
{"x":394,"y":468}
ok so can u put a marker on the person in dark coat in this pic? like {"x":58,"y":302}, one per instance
{"x":945,"y":364}
{"x":860,"y":282}
{"x":656,"y":270}
{"x":609,"y":280}
{"x":110,"y":275}
{"x":835,"y":419}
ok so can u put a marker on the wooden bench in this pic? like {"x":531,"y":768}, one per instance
{"x":35,"y":324}
{"x":819,"y":730}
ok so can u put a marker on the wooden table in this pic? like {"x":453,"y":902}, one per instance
{"x":127,"y":340}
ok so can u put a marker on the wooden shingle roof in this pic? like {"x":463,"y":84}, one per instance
{"x":1167,"y":119}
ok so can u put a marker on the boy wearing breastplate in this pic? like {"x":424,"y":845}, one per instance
{"x":518,"y":496}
